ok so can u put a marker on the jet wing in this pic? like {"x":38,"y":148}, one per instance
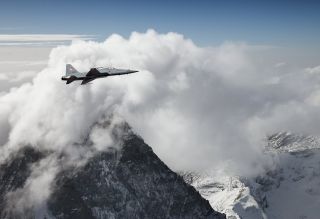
{"x":93,"y":72}
{"x":87,"y":80}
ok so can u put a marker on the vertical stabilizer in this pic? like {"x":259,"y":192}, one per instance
{"x":70,"y":70}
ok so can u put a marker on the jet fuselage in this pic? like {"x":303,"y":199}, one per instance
{"x":73,"y":75}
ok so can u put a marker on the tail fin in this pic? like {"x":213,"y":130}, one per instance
{"x":70,"y":70}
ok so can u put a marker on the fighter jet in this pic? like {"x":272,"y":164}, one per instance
{"x":100,"y":72}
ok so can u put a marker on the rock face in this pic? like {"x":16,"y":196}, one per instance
{"x":14,"y":173}
{"x":288,"y":189}
{"x":131,"y":182}
{"x":227,"y":194}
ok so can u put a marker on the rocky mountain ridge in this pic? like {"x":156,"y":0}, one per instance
{"x":130,"y":182}
{"x":288,"y":189}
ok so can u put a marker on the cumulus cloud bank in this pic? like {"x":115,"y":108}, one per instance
{"x":197,"y":107}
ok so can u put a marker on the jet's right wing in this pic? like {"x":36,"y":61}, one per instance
{"x":93,"y":72}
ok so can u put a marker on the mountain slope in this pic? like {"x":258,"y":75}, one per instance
{"x":228,"y":195}
{"x":288,"y":189}
{"x":130,"y":182}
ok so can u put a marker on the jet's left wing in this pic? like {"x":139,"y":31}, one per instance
{"x":87,"y":80}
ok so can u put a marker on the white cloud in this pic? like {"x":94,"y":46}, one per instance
{"x":9,"y":77}
{"x":43,"y":37}
{"x":20,"y":64}
{"x":197,"y":107}
{"x":3,"y":77}
{"x":40,"y":39}
{"x":35,"y":191}
{"x":313,"y":70}
{"x":280,"y":64}
{"x":25,"y":63}
{"x":23,"y":75}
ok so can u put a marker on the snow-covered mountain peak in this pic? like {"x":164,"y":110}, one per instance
{"x":289,"y":188}
{"x":290,"y":142}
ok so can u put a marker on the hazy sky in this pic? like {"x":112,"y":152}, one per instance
{"x":281,"y":23}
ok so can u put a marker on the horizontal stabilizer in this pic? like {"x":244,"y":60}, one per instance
{"x":71,"y":79}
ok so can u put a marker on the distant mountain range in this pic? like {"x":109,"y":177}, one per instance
{"x":290,"y":189}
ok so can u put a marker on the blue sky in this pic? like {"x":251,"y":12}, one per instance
{"x":285,"y":23}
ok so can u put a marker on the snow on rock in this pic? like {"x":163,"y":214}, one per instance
{"x":290,"y":188}
{"x":228,"y":195}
